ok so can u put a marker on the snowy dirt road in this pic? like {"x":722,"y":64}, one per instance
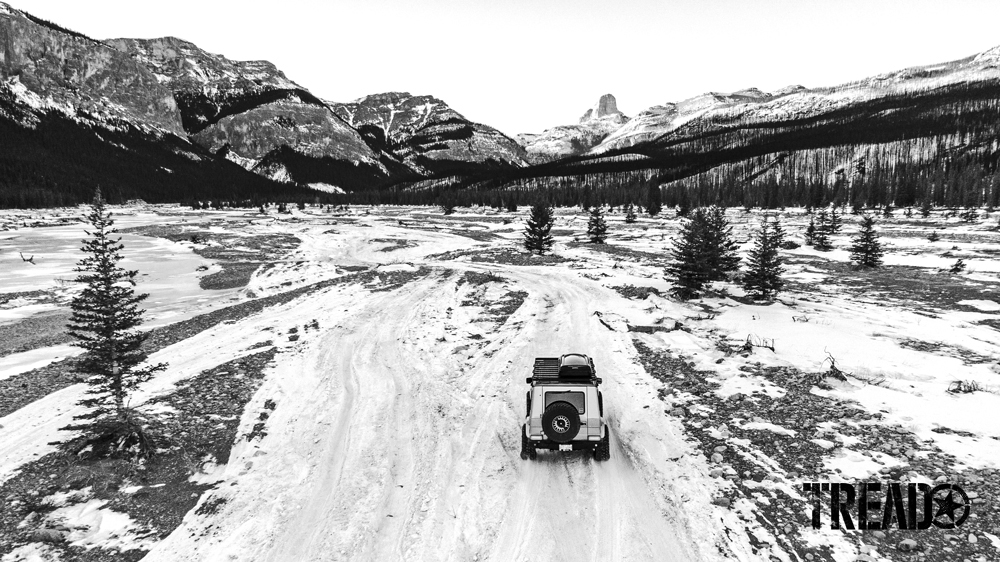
{"x":395,"y":437}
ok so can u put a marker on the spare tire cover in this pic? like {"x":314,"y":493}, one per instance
{"x":561,"y":422}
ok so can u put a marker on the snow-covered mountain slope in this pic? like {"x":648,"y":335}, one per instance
{"x":76,"y":71}
{"x":747,"y":107}
{"x":428,"y":134}
{"x":249,"y":106}
{"x":714,"y":111}
{"x":658,"y":119}
{"x":567,"y":140}
{"x":174,"y":61}
{"x":54,"y":153}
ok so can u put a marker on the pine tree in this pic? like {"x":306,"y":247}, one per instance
{"x":762,"y":280}
{"x":105,"y":320}
{"x":654,"y":199}
{"x":926,"y":207}
{"x":866,"y":251}
{"x":821,"y":236}
{"x":969,"y":215}
{"x":719,"y":245}
{"x":836,"y":221}
{"x":811,"y":232}
{"x":537,"y":237}
{"x":690,"y":264}
{"x":597,"y":229}
{"x":630,"y":214}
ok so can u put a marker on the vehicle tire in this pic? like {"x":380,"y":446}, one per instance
{"x":527,"y":449}
{"x":603,"y":450}
{"x":561,"y":422}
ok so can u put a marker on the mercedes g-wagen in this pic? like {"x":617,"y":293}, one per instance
{"x":565,"y":408}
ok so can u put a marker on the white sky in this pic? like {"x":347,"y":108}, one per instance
{"x":526,"y":65}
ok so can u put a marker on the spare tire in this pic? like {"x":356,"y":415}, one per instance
{"x":561,"y":422}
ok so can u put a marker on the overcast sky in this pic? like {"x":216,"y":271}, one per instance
{"x":526,"y":65}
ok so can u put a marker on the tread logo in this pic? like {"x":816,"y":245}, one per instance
{"x":945,"y":506}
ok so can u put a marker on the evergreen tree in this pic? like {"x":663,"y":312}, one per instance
{"x":537,"y":237}
{"x":630,"y":214}
{"x":926,"y":207}
{"x":821,"y":236}
{"x":811,"y":232}
{"x":719,"y":245}
{"x":957,"y":267}
{"x":866,"y":251}
{"x":762,"y":280}
{"x":597,"y":229}
{"x":969,"y":215}
{"x":105,"y":320}
{"x":654,"y":199}
{"x":836,"y":221}
{"x":690,"y":264}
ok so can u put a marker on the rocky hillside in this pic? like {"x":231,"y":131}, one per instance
{"x":429,"y":135}
{"x":250,"y":109}
{"x":76,"y":113}
{"x":569,"y":140}
{"x":78,"y":72}
{"x":659,"y":119}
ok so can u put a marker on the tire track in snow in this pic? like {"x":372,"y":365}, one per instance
{"x":387,"y":446}
{"x":570,"y":507}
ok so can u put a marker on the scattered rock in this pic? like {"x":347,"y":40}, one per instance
{"x":908,"y":545}
{"x":47,"y":535}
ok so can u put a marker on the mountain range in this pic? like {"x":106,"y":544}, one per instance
{"x":162,"y":119}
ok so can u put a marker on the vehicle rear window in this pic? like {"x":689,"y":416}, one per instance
{"x":575,"y":398}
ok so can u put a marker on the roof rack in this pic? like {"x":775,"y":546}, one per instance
{"x":553,"y":369}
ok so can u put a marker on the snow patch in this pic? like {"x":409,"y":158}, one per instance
{"x":398,"y":267}
{"x":984,"y":305}
{"x":210,"y":473}
{"x":325,"y":187}
{"x":93,"y":526}
{"x":766,"y":426}
{"x":33,"y":552}
{"x":18,"y":363}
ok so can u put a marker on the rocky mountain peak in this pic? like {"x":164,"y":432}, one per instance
{"x":605,"y":106}
{"x":76,"y":71}
{"x":179,"y":62}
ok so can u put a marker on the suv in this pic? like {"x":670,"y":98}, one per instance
{"x":565,"y":409}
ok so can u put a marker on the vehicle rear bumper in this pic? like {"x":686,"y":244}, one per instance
{"x":577,"y":445}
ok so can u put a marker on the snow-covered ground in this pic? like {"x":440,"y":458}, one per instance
{"x":395,"y":435}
